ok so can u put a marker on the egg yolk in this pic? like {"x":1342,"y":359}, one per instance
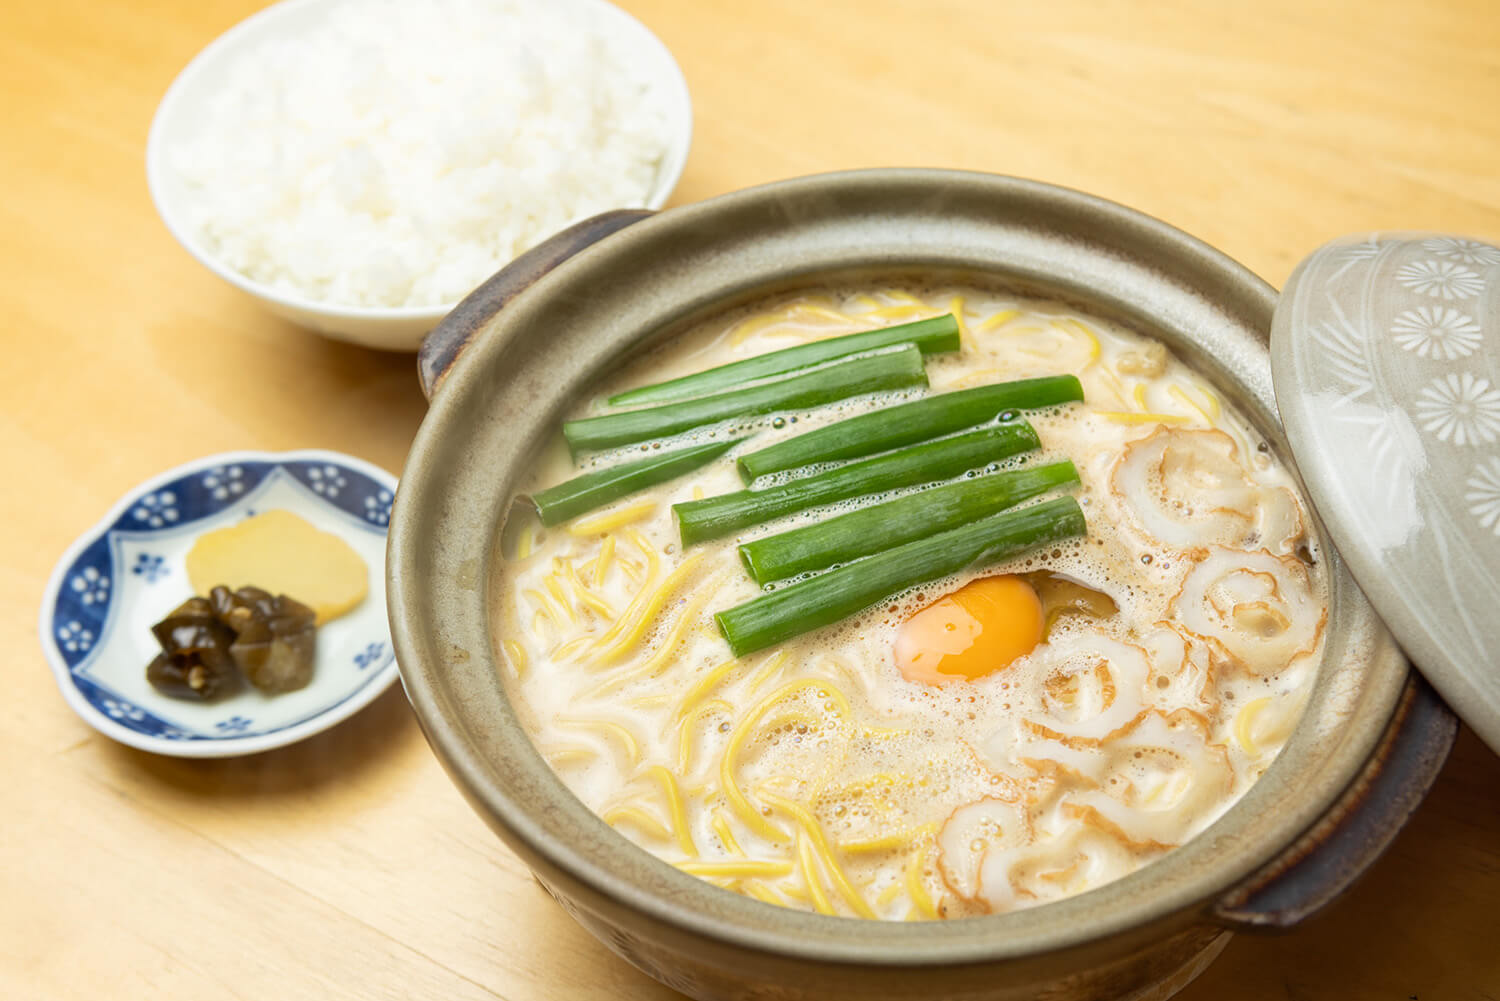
{"x":977,"y":630}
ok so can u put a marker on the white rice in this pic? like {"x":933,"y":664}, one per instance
{"x":401,"y":151}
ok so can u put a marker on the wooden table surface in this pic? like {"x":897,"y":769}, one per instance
{"x":348,"y":866}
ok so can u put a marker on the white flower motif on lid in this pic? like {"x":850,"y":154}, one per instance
{"x":1460,"y":408}
{"x":1437,"y":332}
{"x":1464,"y":251}
{"x":1351,"y":254}
{"x":1482,"y":491}
{"x":1343,"y":347}
{"x":1440,"y":279}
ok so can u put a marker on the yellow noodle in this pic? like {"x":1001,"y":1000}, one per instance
{"x":651,"y":701}
{"x":737,"y":800}
{"x":675,"y":809}
{"x":640,"y":818}
{"x":720,"y":824}
{"x":1213,"y":401}
{"x":697,"y":492}
{"x":633,"y":609}
{"x":659,"y":661}
{"x":542,"y":615}
{"x":572,"y":646}
{"x":956,"y":307}
{"x":555,"y":588}
{"x":516,"y":653}
{"x":975,"y":378}
{"x":608,"y":521}
{"x":588,"y":597}
{"x":704,"y":686}
{"x":1115,"y":385}
{"x":1129,"y":418}
{"x":1176,"y":391}
{"x":901,"y":295}
{"x":685,"y":731}
{"x":761,"y":892}
{"x":809,"y":870}
{"x":813,"y":312}
{"x":624,"y":644}
{"x":755,"y":324}
{"x":771,"y":668}
{"x":526,"y":544}
{"x":1140,"y":395}
{"x":545,"y":604}
{"x":996,"y":319}
{"x":607,"y":728}
{"x":601,"y":562}
{"x":794,"y":891}
{"x":1244,"y":724}
{"x":814,"y":832}
{"x":888,"y":842}
{"x":904,"y":312}
{"x":914,"y":886}
{"x":1078,"y":327}
{"x":737,"y":867}
{"x":563,"y":755}
{"x":888,"y":896}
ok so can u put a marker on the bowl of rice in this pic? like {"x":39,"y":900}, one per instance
{"x":359,"y":166}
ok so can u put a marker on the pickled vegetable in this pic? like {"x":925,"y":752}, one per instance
{"x":209,"y":644}
{"x":285,"y":554}
{"x":195,"y":662}
{"x":275,"y":638}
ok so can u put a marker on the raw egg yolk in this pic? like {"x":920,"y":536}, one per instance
{"x":977,"y":630}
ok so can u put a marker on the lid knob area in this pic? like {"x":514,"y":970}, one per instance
{"x":1385,"y":351}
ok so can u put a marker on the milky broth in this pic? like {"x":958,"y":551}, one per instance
{"x":813,"y":774}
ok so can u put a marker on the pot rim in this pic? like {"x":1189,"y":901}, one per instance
{"x":496,"y":773}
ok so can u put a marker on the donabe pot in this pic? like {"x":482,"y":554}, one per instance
{"x":512,"y":357}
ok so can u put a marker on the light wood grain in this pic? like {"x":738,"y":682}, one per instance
{"x":347,"y":866}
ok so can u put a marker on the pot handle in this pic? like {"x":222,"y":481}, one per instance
{"x":1327,"y":860}
{"x":446,"y":341}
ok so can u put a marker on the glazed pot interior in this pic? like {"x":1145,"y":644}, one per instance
{"x":505,"y":396}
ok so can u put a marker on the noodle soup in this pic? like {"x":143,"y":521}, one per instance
{"x":992,"y":740}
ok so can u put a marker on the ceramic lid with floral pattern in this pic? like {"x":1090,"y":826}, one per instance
{"x":1386,"y":355}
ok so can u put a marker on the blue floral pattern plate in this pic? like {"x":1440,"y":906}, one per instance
{"x":128,"y":572}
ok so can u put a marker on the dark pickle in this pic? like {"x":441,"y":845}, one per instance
{"x":209,"y":643}
{"x":195,"y":662}
{"x":275,"y":637}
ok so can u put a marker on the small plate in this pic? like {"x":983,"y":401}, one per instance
{"x":128,"y":572}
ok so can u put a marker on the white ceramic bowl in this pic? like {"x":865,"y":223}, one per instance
{"x":186,"y":103}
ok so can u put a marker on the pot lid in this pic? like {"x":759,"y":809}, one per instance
{"x":1385,"y":350}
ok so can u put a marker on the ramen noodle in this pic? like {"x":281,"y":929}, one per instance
{"x":829,"y":772}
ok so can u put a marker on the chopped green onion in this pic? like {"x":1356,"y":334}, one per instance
{"x":592,"y":490}
{"x":897,"y":369}
{"x":825,"y":599}
{"x":903,"y":424}
{"x":943,"y":459}
{"x":939,"y":333}
{"x":880,"y":526}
